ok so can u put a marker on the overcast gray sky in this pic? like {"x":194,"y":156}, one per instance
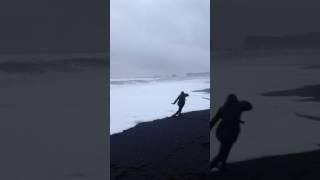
{"x":235,"y":19}
{"x":157,"y":37}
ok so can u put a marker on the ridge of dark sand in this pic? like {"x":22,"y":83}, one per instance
{"x":168,"y":148}
{"x":307,"y":92}
{"x":207,"y":90}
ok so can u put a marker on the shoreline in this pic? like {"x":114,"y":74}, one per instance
{"x":157,"y":119}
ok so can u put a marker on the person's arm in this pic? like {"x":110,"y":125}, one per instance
{"x":176,"y":100}
{"x":215,"y":119}
{"x":246,"y":106}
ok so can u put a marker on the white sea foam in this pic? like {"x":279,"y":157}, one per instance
{"x":139,"y":100}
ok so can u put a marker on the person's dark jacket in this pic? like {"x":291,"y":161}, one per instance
{"x":229,"y":126}
{"x":181,"y":99}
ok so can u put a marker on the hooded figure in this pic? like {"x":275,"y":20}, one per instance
{"x":181,"y":99}
{"x":228,"y":129}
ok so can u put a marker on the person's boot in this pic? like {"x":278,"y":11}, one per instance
{"x":174,"y":115}
{"x":223,"y":167}
{"x":214,"y":164}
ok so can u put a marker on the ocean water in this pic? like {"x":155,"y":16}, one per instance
{"x":146,"y":99}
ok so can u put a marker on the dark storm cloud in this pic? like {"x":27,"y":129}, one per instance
{"x":35,"y":26}
{"x":150,"y":37}
{"x":233,"y":19}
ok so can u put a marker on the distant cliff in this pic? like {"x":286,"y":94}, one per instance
{"x":308,"y":40}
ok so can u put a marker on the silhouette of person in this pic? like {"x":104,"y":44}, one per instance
{"x":228,"y":129}
{"x":181,"y":99}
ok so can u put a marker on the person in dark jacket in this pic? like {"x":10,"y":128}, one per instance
{"x":181,"y":99}
{"x":228,"y":129}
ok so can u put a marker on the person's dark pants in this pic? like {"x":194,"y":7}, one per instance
{"x":178,"y":113}
{"x":222,"y":156}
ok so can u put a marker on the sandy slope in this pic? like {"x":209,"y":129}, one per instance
{"x":162,"y":149}
{"x":303,"y":166}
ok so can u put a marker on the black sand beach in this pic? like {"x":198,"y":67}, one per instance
{"x":170,"y":148}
